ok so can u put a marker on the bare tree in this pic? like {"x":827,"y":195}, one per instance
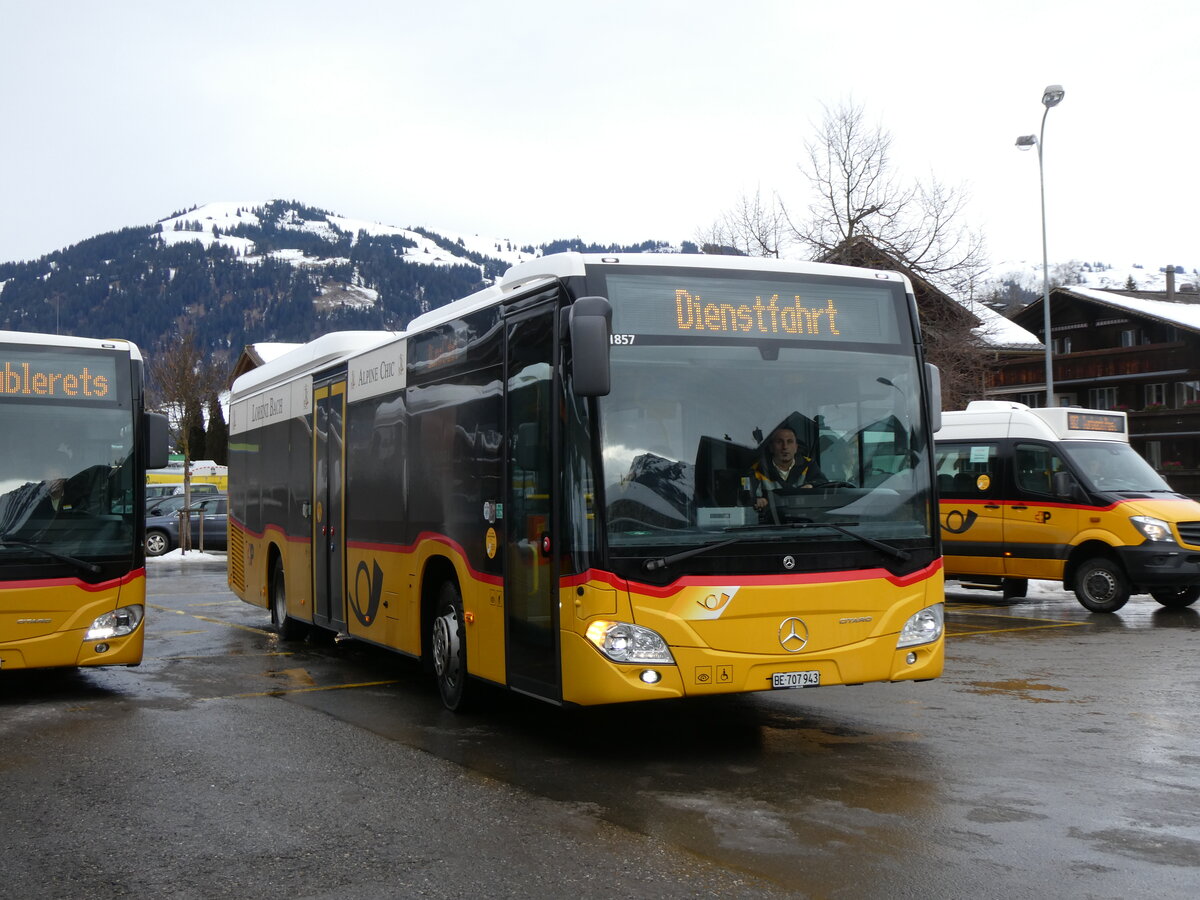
{"x":858,"y":194}
{"x":750,"y":228}
{"x":182,"y":381}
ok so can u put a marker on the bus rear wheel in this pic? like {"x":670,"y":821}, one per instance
{"x":289,"y":629}
{"x":1101,"y":586}
{"x":448,"y":643}
{"x":1177,"y":598}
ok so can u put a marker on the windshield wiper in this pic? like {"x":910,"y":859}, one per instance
{"x":662,"y":562}
{"x":894,"y":552}
{"x":652,"y":565}
{"x":6,"y":541}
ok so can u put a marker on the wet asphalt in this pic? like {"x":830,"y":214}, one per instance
{"x":1058,"y":756}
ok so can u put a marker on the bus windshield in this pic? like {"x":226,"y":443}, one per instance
{"x":1113,"y":466}
{"x":66,"y":482}
{"x":690,"y":434}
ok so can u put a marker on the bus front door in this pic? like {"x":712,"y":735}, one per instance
{"x":329,"y":543}
{"x":531,"y":571}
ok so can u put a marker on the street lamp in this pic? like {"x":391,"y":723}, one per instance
{"x":1051,"y":96}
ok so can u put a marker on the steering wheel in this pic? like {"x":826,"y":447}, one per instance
{"x":834,"y":484}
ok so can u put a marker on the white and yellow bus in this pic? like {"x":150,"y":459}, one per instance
{"x":75,"y":443}
{"x":1059,"y":494}
{"x":548,"y":485}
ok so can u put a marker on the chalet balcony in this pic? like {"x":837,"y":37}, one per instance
{"x":1111,"y":365}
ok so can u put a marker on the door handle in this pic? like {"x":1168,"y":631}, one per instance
{"x":992,"y":506}
{"x":1021,"y":507}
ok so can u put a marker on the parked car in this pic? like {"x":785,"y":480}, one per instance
{"x":175,"y":489}
{"x":159,"y":506}
{"x":162,"y":531}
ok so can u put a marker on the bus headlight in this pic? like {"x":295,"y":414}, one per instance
{"x":626,"y":643}
{"x":1153,"y":529}
{"x":117,"y":623}
{"x":924,"y":627}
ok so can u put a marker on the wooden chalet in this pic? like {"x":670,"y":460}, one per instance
{"x":1137,"y":351}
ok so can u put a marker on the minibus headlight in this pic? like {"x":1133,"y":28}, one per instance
{"x":626,"y":643}
{"x":117,"y":623}
{"x":924,"y":627}
{"x":1153,"y":529}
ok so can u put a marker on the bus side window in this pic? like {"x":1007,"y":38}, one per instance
{"x":966,"y":471}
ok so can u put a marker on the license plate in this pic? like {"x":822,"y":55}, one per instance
{"x":811,"y":678}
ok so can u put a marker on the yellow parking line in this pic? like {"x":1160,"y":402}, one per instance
{"x":183,"y":612}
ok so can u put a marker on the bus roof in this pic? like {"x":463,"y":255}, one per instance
{"x":32,"y":339}
{"x":547,"y":269}
{"x":994,"y":419}
{"x":316,"y":353}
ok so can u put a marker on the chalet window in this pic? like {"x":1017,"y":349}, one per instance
{"x":1031,"y":400}
{"x":1156,"y":394}
{"x":1102,"y":398}
{"x":1062,"y":344}
{"x":1129,"y":338}
{"x":1187,"y":392}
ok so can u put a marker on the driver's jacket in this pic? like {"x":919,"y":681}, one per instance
{"x":768,"y":478}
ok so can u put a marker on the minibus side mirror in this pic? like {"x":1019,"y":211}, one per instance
{"x":1066,"y":487}
{"x":590,"y":325}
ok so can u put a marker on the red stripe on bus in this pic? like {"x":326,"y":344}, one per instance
{"x":125,"y":579}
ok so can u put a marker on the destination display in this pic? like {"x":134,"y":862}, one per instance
{"x":693,"y":304}
{"x":1090,"y":421}
{"x":35,"y":373}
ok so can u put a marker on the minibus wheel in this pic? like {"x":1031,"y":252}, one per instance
{"x":1177,"y":598}
{"x":1100,"y":585}
{"x":448,"y":641}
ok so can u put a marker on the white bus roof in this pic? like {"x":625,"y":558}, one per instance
{"x":30,"y":339}
{"x":547,"y":269}
{"x":994,"y":419}
{"x":316,"y":353}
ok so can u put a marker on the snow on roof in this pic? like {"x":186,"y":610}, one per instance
{"x":1185,"y":315}
{"x":997,"y":332}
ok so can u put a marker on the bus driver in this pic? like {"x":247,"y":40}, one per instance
{"x":789,"y":466}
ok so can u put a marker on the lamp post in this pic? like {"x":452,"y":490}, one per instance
{"x":1051,"y":96}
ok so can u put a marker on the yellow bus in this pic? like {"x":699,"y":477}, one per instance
{"x":553,"y":485}
{"x":74,"y":448}
{"x":1059,"y":494}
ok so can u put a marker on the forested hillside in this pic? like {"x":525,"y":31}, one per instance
{"x":235,"y":275}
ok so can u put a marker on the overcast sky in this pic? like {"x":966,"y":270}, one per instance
{"x":611,"y":121}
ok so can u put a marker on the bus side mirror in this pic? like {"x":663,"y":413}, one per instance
{"x":590,"y":325}
{"x":934,"y":377}
{"x":157,"y":434}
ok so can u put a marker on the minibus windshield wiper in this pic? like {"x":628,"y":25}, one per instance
{"x":894,"y":552}
{"x":6,"y":541}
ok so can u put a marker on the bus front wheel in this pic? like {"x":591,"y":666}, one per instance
{"x":1101,"y":586}
{"x":448,"y":642}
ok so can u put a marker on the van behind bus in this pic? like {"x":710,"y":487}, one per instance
{"x":1059,"y":494}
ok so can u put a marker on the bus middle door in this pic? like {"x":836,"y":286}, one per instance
{"x":530,"y":566}
{"x":329,"y":540}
